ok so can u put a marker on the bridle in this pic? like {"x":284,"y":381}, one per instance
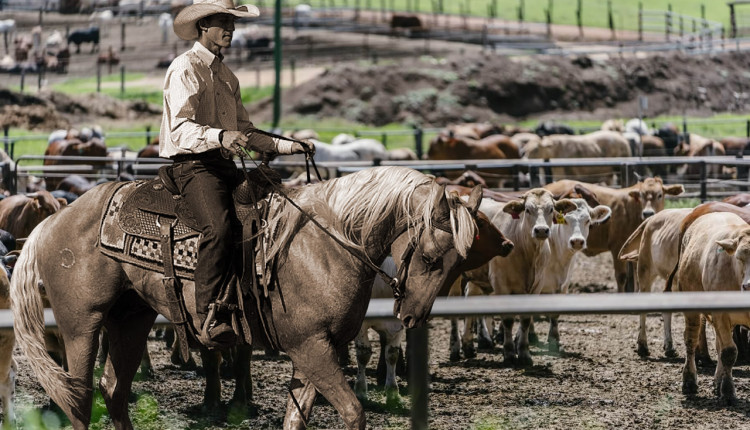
{"x":397,"y":283}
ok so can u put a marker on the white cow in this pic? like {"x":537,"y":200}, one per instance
{"x":391,"y":332}
{"x":653,"y":248}
{"x":715,"y":257}
{"x":525,"y":222}
{"x":568,"y":236}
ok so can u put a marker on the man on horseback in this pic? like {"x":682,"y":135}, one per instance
{"x":203,"y":125}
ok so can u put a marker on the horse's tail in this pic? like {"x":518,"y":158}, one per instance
{"x":28,"y":323}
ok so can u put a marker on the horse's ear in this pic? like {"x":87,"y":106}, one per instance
{"x":62,"y":202}
{"x":475,"y":199}
{"x":439,"y":195}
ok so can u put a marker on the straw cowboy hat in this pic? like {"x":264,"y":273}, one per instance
{"x":184,"y":23}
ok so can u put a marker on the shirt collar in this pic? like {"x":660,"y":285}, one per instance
{"x":205,"y":55}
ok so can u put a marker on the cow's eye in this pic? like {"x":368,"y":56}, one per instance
{"x":658,"y":196}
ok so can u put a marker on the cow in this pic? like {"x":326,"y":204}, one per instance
{"x":653,"y":248}
{"x":526,"y":222}
{"x":715,"y":257}
{"x":736,"y":146}
{"x":8,"y":366}
{"x":699,"y":146}
{"x":598,"y":144}
{"x":523,"y":139}
{"x":548,"y":128}
{"x":742,"y":199}
{"x":19,"y":214}
{"x":568,"y":236}
{"x":630,"y":206}
{"x":468,"y":178}
{"x":88,"y":35}
{"x":494,"y":147}
{"x":94,"y":147}
{"x":406,"y":23}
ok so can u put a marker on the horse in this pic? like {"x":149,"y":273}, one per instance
{"x":316,"y":304}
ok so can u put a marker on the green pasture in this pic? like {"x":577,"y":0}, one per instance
{"x":594,"y":13}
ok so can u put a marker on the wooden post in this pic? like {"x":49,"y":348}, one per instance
{"x":293,"y":71}
{"x":122,"y":79}
{"x":23,"y":78}
{"x":611,"y":19}
{"x":640,"y":21}
{"x":579,"y":18}
{"x":733,"y":20}
{"x":668,"y":22}
{"x":419,"y":139}
{"x":98,"y":77}
{"x":122,"y":36}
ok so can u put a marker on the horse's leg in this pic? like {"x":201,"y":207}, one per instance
{"x":85,"y":345}
{"x":316,"y":359}
{"x":243,"y":389}
{"x":127,"y":342}
{"x":393,"y":347}
{"x":455,"y":341}
{"x":300,"y":402}
{"x":211,"y":366}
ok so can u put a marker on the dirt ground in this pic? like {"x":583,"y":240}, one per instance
{"x":596,"y":382}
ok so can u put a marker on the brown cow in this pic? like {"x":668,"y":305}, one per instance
{"x":73,"y":148}
{"x":19,"y":214}
{"x":629,"y":206}
{"x":699,"y":146}
{"x":493,"y":147}
{"x":735,"y":145}
{"x":742,"y":199}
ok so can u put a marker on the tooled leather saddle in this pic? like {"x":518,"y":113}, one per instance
{"x":147,"y":224}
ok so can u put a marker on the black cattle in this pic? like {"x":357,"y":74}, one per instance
{"x":548,"y":128}
{"x":406,"y":21}
{"x":670,"y":135}
{"x":89,"y":35}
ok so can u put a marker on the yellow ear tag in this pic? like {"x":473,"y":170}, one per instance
{"x":560,"y":218}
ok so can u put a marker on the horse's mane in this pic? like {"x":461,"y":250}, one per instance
{"x":350,"y":208}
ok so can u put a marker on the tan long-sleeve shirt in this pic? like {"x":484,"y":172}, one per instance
{"x":201,"y":98}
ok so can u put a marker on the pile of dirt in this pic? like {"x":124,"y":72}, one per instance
{"x":51,"y":110}
{"x":487,"y":87}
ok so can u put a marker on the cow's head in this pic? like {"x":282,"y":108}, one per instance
{"x":650,"y":194}
{"x":738,"y":246}
{"x":442,"y":146}
{"x":573,"y":227}
{"x":536,"y":210}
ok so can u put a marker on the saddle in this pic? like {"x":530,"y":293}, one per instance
{"x":147,"y":224}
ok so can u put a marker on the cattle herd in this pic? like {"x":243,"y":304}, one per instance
{"x":584,"y":210}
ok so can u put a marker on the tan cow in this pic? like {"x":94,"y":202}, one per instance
{"x":19,"y":214}
{"x":700,"y":146}
{"x":599,"y":144}
{"x":630,"y":206}
{"x":526,"y":222}
{"x":715,"y":257}
{"x":653,"y":248}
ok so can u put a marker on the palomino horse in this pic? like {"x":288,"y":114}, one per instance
{"x":317,"y":304}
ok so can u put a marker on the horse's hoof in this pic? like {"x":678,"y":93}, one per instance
{"x":553,"y":345}
{"x":393,"y":400}
{"x":728,"y":401}
{"x":470,"y":351}
{"x":689,"y":387}
{"x":239,"y":410}
{"x":455,"y":356}
{"x":670,"y":353}
{"x":643,"y":350}
{"x":510,"y":360}
{"x":485,"y":344}
{"x":525,"y":361}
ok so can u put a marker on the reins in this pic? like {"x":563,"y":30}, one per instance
{"x":394,"y":282}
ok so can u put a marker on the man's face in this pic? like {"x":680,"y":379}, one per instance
{"x":220,"y":29}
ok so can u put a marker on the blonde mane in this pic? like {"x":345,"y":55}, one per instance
{"x":352,"y":206}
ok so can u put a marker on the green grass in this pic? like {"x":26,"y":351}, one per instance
{"x":681,"y":203}
{"x":594,"y":12}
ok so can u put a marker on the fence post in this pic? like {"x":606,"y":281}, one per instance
{"x":747,"y":128}
{"x":534,"y":177}
{"x":579,"y":18}
{"x":23,"y":78}
{"x":292,"y":69}
{"x":640,"y":21}
{"x":148,"y":135}
{"x":419,"y":140}
{"x":549,"y":19}
{"x":419,"y":374}
{"x":122,"y":36}
{"x":98,"y":77}
{"x":704,"y":192}
{"x":547,"y":173}
{"x":611,"y":19}
{"x":122,"y":79}
{"x":668,"y":22}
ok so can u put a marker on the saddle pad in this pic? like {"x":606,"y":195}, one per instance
{"x":148,"y":202}
{"x":144,"y":250}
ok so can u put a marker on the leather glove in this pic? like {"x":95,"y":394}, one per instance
{"x":233,"y":141}
{"x":307,"y":148}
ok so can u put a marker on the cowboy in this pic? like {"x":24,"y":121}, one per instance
{"x":204,"y":123}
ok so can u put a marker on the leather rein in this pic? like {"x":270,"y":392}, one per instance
{"x":397,"y":283}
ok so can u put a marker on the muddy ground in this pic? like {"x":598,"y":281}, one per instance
{"x":596,"y":382}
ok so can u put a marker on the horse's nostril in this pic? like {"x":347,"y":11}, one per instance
{"x":408,"y":321}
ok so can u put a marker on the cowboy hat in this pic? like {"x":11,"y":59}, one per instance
{"x":184,"y":23}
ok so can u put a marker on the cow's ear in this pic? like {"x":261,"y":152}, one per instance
{"x":565,"y":205}
{"x":514,"y":208}
{"x":727,"y":245}
{"x":674,"y":190}
{"x":635,"y":194}
{"x":600,"y":214}
{"x":475,"y":199}
{"x":62,"y":202}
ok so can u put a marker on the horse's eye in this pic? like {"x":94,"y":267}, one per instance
{"x":429,"y":261}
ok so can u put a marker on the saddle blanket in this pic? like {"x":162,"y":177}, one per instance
{"x":135,"y":238}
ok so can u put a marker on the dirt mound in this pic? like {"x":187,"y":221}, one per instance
{"x":50,"y":110}
{"x":494,"y":88}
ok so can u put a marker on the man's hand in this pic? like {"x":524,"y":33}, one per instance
{"x":234,"y":140}
{"x":307,"y":148}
